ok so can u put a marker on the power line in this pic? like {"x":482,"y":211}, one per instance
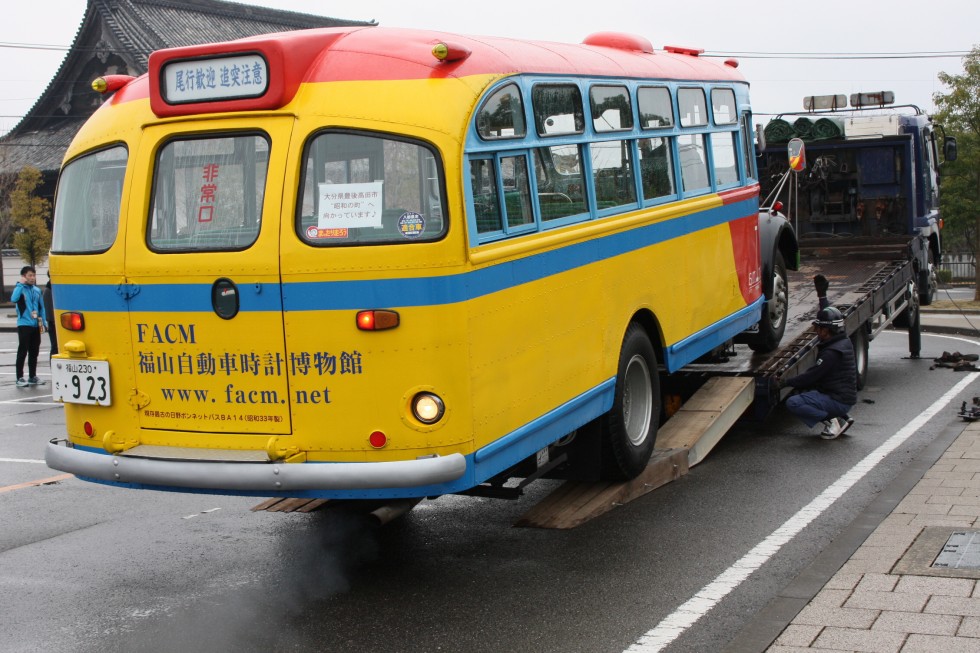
{"x":836,"y":57}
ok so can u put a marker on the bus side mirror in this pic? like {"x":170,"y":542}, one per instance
{"x":949,"y":148}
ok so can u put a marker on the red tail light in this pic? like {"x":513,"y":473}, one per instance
{"x":73,"y":321}
{"x":378,"y":439}
{"x":377,"y":320}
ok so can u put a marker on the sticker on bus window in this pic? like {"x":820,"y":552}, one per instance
{"x":411,"y":224}
{"x":314,"y":233}
{"x":349,"y":206}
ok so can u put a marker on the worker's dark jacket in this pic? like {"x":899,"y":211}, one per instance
{"x":834,"y":373}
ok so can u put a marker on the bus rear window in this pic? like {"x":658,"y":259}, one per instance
{"x":361,"y":189}
{"x":207,"y":193}
{"x":86,"y":208}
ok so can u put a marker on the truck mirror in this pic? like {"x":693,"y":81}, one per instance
{"x":797,"y":155}
{"x":949,"y":148}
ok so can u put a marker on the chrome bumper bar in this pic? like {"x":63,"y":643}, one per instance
{"x":258,"y":477}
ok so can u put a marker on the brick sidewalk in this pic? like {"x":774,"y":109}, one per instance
{"x":888,"y":598}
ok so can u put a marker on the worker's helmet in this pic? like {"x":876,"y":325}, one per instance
{"x":830,"y":318}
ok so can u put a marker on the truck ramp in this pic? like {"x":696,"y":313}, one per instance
{"x":683,"y":441}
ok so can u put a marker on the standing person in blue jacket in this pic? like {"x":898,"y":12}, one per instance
{"x":30,"y":324}
{"x":830,"y":385}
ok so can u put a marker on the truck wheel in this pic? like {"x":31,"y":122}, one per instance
{"x":773,"y":322}
{"x":629,"y":430}
{"x":928,"y":282}
{"x":860,"y":342}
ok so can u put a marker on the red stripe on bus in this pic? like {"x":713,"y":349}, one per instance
{"x":745,"y":247}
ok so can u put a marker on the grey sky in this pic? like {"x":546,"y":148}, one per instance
{"x":830,"y":26}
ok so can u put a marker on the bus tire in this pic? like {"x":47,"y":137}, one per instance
{"x":860,"y":342}
{"x":629,"y":429}
{"x":772,"y":326}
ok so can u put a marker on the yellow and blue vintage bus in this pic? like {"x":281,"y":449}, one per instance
{"x":376,"y":263}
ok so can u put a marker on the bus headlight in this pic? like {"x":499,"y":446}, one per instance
{"x":428,"y":408}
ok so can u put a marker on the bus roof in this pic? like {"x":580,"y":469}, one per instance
{"x":379,"y":53}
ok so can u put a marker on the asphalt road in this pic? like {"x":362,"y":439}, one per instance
{"x":86,"y":568}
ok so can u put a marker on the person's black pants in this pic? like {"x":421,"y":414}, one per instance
{"x":28,"y":346}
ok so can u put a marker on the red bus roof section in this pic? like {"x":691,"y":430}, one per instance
{"x":394,"y":53}
{"x":382,"y":53}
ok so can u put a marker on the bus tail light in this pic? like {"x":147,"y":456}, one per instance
{"x":428,"y":408}
{"x":89,"y":429}
{"x":73,"y":321}
{"x":378,"y":439}
{"x":376,"y":320}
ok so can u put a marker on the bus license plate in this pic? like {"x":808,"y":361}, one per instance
{"x":81,"y":382}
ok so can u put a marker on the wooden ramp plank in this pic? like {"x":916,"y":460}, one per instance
{"x":265,"y":505}
{"x":683,"y":441}
{"x":702,"y":421}
{"x":315,"y":504}
{"x":575,"y":502}
{"x":278,"y":504}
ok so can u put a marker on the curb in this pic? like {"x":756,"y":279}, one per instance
{"x":946,"y":330}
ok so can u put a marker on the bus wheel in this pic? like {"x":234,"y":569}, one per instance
{"x":860,"y":342}
{"x":773,"y":322}
{"x":629,"y":430}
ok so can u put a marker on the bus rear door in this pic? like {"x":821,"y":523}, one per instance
{"x":203,"y":284}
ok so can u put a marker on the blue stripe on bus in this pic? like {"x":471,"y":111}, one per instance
{"x":694,"y":346}
{"x":404,"y":292}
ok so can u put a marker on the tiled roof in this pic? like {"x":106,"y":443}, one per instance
{"x":124,"y":33}
{"x":40,"y":149}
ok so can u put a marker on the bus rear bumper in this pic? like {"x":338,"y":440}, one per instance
{"x":270,"y":477}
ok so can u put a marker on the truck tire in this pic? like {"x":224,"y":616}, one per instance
{"x":928,"y":282}
{"x":773,"y":322}
{"x":860,"y":342}
{"x":629,"y":429}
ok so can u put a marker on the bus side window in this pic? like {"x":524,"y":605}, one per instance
{"x":483,"y":179}
{"x":557,"y":109}
{"x":86,"y":208}
{"x":723,"y":156}
{"x":723,"y":106}
{"x":561,"y":187}
{"x":517,"y":190}
{"x":656,"y":167}
{"x":612,"y":173}
{"x":502,"y":115}
{"x":694,"y":167}
{"x":611,"y":110}
{"x":692,"y":106}
{"x":656,"y":110}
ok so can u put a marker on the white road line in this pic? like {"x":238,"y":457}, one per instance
{"x":675,"y":624}
{"x":21,"y":460}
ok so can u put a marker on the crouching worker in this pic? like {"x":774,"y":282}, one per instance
{"x":829,"y":387}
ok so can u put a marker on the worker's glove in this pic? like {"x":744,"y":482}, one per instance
{"x":821,"y":284}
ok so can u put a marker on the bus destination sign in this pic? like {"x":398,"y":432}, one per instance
{"x":221,"y":78}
